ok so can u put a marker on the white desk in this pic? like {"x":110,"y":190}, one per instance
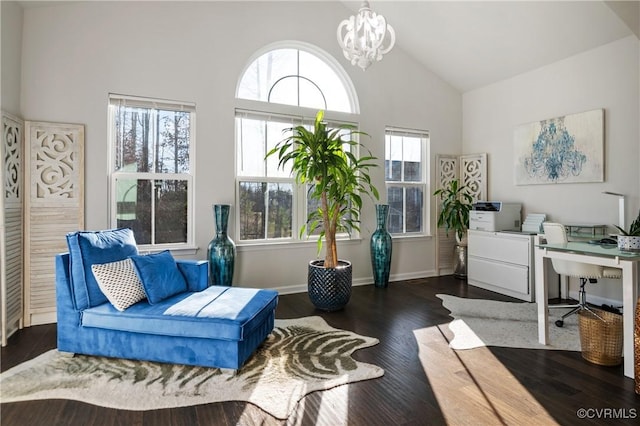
{"x":597,"y":255}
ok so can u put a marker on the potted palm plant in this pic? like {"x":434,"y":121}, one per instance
{"x":456,"y":204}
{"x":322,"y":159}
{"x":630,"y":240}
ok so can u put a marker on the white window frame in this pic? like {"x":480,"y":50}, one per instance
{"x":299,"y":115}
{"x":424,"y":183}
{"x":299,"y":202}
{"x":116,"y":100}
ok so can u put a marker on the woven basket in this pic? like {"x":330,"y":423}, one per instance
{"x":636,"y":348}
{"x":601,"y":338}
{"x":329,"y":288}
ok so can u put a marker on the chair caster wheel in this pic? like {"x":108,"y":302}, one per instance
{"x":559,"y":323}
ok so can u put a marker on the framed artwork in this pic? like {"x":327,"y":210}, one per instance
{"x":566,"y":149}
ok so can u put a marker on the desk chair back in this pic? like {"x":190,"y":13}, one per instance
{"x":555,"y":233}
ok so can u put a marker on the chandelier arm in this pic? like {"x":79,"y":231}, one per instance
{"x":392,"y":40}
{"x":361,"y":37}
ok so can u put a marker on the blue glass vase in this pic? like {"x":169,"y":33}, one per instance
{"x":381,"y":248}
{"x":222,"y":249}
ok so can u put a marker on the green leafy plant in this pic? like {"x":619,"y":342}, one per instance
{"x":456,"y":204}
{"x":634,"y":229}
{"x":337,"y":177}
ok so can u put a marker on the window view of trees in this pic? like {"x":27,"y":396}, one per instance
{"x":266,"y":210}
{"x":405,"y":181}
{"x":286,"y":84}
{"x":152,"y":172}
{"x":294,"y":77}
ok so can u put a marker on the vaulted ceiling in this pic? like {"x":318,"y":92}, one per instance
{"x":471,"y":44}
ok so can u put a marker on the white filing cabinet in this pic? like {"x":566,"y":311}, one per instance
{"x":502,"y":262}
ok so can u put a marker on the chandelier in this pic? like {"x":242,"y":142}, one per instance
{"x":361,"y":37}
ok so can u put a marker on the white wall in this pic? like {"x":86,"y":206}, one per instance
{"x":10,"y":57}
{"x":606,"y":77}
{"x":74,"y":54}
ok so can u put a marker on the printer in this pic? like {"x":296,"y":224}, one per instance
{"x":495,"y":216}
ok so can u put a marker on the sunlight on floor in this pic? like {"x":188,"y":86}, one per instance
{"x":333,"y":409}
{"x":473,"y":384}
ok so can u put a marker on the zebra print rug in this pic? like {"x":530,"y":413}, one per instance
{"x":299,"y":357}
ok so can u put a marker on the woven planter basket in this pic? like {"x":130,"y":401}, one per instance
{"x":601,"y":341}
{"x":636,"y":348}
{"x":329,"y":289}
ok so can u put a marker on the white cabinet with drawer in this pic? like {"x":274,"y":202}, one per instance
{"x":502,"y":262}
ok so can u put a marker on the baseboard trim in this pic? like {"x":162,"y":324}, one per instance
{"x":43,"y":318}
{"x":302,"y":288}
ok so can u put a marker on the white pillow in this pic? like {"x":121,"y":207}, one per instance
{"x":119,"y":282}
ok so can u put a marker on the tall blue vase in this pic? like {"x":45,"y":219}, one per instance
{"x":381,"y":248}
{"x":222,"y":249}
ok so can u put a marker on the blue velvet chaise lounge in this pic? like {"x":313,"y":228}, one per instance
{"x":176,"y":317}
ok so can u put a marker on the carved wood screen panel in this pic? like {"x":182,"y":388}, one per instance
{"x":473,"y":169}
{"x":470,"y":170}
{"x":11,"y":225}
{"x":54,"y":206}
{"x":448,"y":170}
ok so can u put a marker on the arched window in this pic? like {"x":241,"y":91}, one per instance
{"x":302,"y":76}
{"x":283,"y":86}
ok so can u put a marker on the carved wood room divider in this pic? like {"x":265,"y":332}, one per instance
{"x":54,"y":206}
{"x":11,"y":225}
{"x":470,"y":170}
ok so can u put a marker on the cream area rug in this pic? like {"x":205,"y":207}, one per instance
{"x":300,"y":356}
{"x":480,"y":322}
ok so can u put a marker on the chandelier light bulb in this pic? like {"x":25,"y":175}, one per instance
{"x":361,"y":37}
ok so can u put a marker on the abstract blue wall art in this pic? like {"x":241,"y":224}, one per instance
{"x":567,"y":149}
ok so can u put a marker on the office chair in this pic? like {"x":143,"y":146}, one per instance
{"x":555,"y":233}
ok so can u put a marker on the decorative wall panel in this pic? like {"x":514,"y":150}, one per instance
{"x":473,"y":170}
{"x":54,"y":206}
{"x":448,"y":170}
{"x":470,"y":170}
{"x":11,"y":225}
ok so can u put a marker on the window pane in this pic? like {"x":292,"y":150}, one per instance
{"x":133,"y":201}
{"x":265,"y":71}
{"x":254,"y":139}
{"x":171,"y":211}
{"x":274,"y":135}
{"x":280,"y":210}
{"x":396,"y":214}
{"x":328,"y":82}
{"x":260,"y":200}
{"x":414,"y":210}
{"x":252,"y":210}
{"x":312,"y":206}
{"x":134,"y":139}
{"x":172,"y":152}
{"x":393,"y":158}
{"x":251,"y":135}
{"x":294,"y":77}
{"x":311,"y":96}
{"x":412,"y":157}
{"x":285,"y":91}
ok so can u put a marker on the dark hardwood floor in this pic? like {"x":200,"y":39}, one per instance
{"x":425,"y":382}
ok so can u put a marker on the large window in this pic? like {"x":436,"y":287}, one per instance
{"x":151,"y":181}
{"x":265,"y":191}
{"x":283,"y":87}
{"x":406,"y":174}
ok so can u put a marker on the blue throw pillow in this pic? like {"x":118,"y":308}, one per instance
{"x":160,"y":276}
{"x":87,"y":248}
